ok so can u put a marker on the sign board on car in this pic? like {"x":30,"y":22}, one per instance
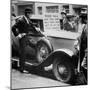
{"x":51,"y":22}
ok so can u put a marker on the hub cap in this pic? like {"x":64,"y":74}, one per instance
{"x":63,"y":71}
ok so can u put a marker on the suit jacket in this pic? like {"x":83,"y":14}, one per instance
{"x":68,"y":27}
{"x":83,"y":44}
{"x":23,"y":26}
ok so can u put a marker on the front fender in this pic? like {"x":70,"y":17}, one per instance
{"x":58,"y":53}
{"x":46,"y":41}
{"x":66,"y":51}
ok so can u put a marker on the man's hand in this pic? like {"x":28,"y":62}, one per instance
{"x":37,"y":29}
{"x":21,"y":35}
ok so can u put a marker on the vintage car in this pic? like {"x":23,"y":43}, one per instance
{"x":54,"y":48}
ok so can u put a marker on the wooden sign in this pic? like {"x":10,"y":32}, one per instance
{"x":51,"y":22}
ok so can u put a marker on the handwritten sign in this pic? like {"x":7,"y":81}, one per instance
{"x":51,"y":22}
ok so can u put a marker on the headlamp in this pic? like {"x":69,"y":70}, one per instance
{"x":76,"y":45}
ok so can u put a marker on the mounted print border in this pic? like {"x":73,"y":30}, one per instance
{"x":48,"y":44}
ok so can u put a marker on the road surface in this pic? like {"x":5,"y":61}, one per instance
{"x":33,"y":80}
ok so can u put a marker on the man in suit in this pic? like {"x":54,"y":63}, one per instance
{"x":84,"y":47}
{"x":70,"y":24}
{"x":84,"y":35}
{"x":23,"y":26}
{"x":64,"y":18}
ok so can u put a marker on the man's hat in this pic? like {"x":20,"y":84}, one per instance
{"x":69,"y":15}
{"x":28,"y":10}
{"x":63,"y":12}
{"x":83,"y":12}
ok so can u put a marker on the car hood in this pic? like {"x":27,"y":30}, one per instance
{"x":62,"y":34}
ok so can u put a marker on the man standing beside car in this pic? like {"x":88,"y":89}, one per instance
{"x":84,"y":47}
{"x":64,"y":18}
{"x":23,"y":26}
{"x":70,"y":24}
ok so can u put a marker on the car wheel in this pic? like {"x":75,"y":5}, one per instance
{"x":43,"y":51}
{"x":63,"y":70}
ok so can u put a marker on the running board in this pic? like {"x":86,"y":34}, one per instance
{"x":17,"y":60}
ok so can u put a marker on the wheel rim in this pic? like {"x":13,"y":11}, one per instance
{"x":43,"y":53}
{"x":63,"y":72}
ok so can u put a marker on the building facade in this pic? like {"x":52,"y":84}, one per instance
{"x":40,"y":10}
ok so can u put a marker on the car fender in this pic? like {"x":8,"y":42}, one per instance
{"x":67,"y":51}
{"x":46,"y":41}
{"x":58,"y":53}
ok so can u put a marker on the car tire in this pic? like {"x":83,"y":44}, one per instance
{"x":43,"y":50}
{"x":63,"y":70}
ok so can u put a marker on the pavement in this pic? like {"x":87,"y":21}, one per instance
{"x":37,"y":79}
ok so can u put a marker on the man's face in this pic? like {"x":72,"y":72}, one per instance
{"x":86,"y":20}
{"x":71,"y":19}
{"x":29,"y":15}
{"x":63,"y":15}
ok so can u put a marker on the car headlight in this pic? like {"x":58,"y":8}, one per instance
{"x":76,"y":45}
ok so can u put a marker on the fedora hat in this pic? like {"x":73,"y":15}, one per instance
{"x":63,"y":12}
{"x":83,"y":12}
{"x":69,"y":15}
{"x":28,"y":10}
